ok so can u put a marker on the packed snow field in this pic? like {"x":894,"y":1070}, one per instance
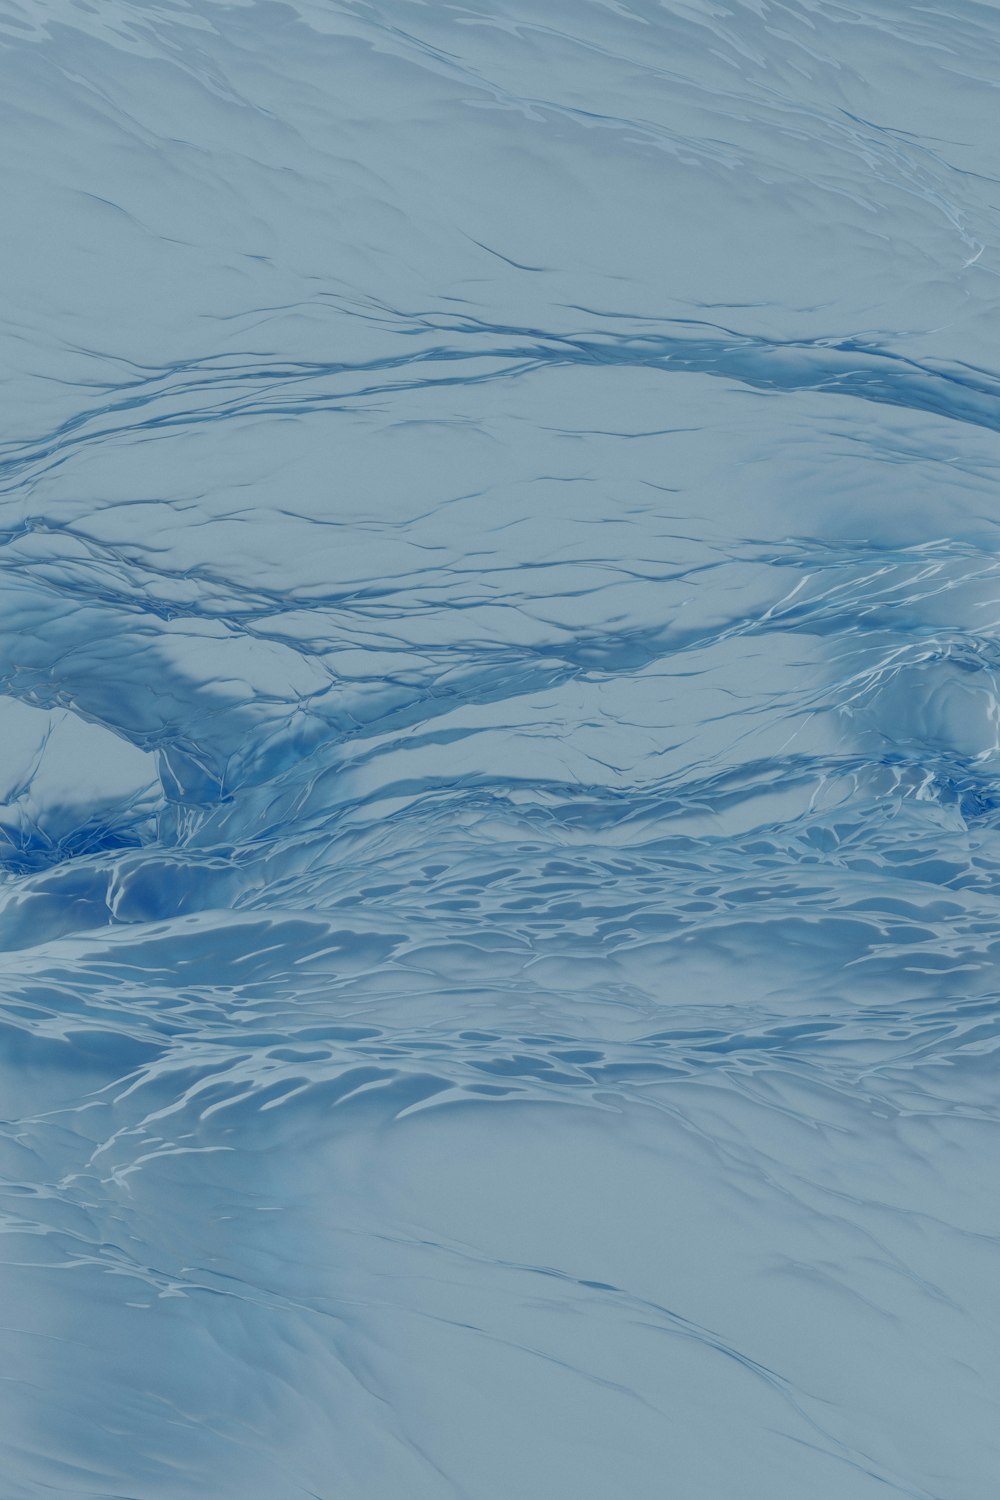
{"x":500,"y":750}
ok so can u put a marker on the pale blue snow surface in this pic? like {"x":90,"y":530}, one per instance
{"x":499,"y":806}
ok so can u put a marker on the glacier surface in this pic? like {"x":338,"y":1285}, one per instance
{"x":499,"y":750}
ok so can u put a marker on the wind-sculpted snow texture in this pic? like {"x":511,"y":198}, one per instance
{"x":499,"y":814}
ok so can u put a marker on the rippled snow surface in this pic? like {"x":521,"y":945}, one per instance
{"x":500,"y":721}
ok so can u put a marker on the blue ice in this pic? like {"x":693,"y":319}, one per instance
{"x":499,"y":750}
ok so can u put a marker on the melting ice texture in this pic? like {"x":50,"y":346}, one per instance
{"x":499,"y":791}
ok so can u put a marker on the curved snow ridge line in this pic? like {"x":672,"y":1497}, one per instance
{"x":204,"y":392}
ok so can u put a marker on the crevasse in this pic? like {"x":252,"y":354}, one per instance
{"x":499,"y":750}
